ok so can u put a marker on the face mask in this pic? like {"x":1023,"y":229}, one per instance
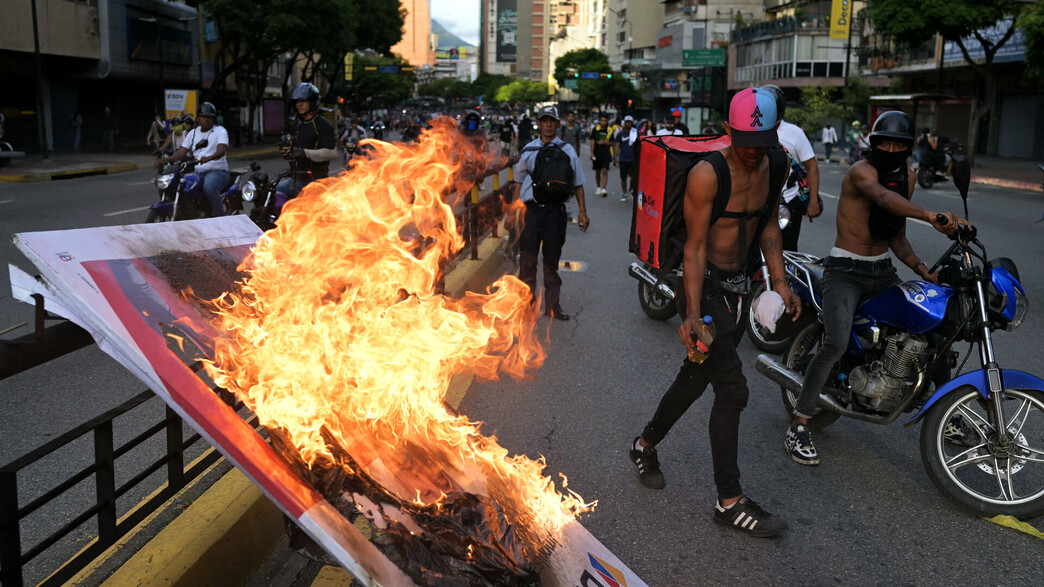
{"x":887,"y":161}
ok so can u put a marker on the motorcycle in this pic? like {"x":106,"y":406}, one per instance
{"x":181,"y":192}
{"x":982,"y":433}
{"x":928,"y":173}
{"x":377,"y":130}
{"x":267,"y":200}
{"x":658,"y":288}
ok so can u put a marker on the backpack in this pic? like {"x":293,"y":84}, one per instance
{"x":505,"y":133}
{"x":552,"y":175}
{"x":657,"y":224}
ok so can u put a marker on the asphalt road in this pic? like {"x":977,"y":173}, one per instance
{"x":868,"y":514}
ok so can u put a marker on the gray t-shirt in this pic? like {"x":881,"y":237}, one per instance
{"x":570,"y":135}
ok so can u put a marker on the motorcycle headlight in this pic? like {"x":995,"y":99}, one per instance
{"x":163,"y":181}
{"x":784,"y":216}
{"x":1021,"y":307}
{"x":248,"y":191}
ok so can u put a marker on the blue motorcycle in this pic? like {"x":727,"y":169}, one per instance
{"x":181,"y":193}
{"x":982,"y":433}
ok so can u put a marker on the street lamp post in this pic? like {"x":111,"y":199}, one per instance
{"x":39,"y":88}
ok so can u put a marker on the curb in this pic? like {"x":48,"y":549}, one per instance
{"x":222,"y":537}
{"x":1006,"y":183}
{"x":69,"y":173}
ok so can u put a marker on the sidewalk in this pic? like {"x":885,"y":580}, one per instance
{"x":69,"y":165}
{"x":1005,"y":172}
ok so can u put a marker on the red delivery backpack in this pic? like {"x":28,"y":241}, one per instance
{"x":658,"y":222}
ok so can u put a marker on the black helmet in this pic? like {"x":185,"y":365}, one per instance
{"x":893,"y":125}
{"x":307,"y":91}
{"x":207,"y":109}
{"x":781,"y":99}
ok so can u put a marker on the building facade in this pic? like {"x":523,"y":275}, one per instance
{"x":416,"y":46}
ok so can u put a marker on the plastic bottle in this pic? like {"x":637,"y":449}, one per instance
{"x":703,"y":340}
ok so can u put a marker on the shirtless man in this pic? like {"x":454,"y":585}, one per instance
{"x":871,"y":218}
{"x":717,"y":252}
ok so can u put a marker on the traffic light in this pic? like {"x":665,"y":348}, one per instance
{"x":576,"y":75}
{"x":630,"y":102}
{"x":610,"y":76}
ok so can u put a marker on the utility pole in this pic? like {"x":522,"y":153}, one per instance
{"x":39,"y":88}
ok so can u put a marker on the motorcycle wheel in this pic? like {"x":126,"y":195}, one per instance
{"x":653,"y":304}
{"x":797,"y":357}
{"x":156,"y":216}
{"x":964,"y":463}
{"x":925,"y":177}
{"x":759,"y":335}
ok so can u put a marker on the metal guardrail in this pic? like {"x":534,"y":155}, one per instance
{"x":476,"y":218}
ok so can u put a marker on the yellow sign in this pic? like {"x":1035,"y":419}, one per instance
{"x":349,"y":60}
{"x":840,"y":19}
{"x":178,"y":101}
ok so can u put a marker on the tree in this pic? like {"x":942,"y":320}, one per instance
{"x":1031,"y":23}
{"x":960,"y":21}
{"x":522,"y":91}
{"x":816,"y":106}
{"x":487,"y":84}
{"x":370,"y":88}
{"x":593,"y":92}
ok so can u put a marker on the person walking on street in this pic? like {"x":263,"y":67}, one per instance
{"x":626,"y":142}
{"x":570,"y":132}
{"x":801,"y":194}
{"x":110,"y":129}
{"x":829,"y":139}
{"x":715,"y":253}
{"x":601,"y":155}
{"x":157,"y":133}
{"x":208,"y":144}
{"x":678,"y":124}
{"x":668,"y":128}
{"x":525,"y":130}
{"x":871,"y":219}
{"x":548,"y":172}
{"x":77,"y":124}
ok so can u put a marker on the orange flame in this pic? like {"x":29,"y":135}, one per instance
{"x":338,"y":329}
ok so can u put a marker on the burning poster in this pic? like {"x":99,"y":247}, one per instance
{"x":330,"y":330}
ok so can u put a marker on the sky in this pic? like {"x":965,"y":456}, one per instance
{"x":461,"y":17}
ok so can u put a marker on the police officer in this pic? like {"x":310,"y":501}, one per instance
{"x":314,"y":144}
{"x":545,"y":226}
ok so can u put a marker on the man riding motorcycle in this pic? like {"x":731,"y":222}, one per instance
{"x":314,"y":143}
{"x":208,"y":144}
{"x":871,"y":219}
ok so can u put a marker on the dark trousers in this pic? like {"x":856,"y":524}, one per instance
{"x":846,"y":283}
{"x":793,"y":229}
{"x":724,"y":371}
{"x":544,"y":232}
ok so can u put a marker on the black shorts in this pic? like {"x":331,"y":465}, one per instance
{"x":626,"y":169}
{"x":602,"y":162}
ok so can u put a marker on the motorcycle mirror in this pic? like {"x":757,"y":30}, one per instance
{"x":961,"y":171}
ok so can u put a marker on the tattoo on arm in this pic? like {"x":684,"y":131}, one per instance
{"x":769,"y":245}
{"x":905,"y":253}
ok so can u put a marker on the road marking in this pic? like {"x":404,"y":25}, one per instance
{"x":831,"y":196}
{"x":142,"y":209}
{"x":140,"y":182}
{"x":6,"y":201}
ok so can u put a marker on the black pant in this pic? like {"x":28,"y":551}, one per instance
{"x":547,"y":227}
{"x":724,"y":371}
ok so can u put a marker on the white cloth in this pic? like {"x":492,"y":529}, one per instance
{"x":768,"y":308}
{"x":796,"y":143}
{"x":829,"y":134}
{"x":217,"y":135}
{"x":846,"y":254}
{"x":665,"y":131}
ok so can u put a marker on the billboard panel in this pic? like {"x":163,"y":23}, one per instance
{"x":507,"y":30}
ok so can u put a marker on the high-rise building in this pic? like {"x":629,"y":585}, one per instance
{"x":416,"y":44}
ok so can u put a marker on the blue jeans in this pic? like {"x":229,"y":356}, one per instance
{"x":291,"y":186}
{"x":214,"y":180}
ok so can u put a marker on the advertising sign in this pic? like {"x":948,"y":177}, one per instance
{"x":178,"y":101}
{"x":507,"y":31}
{"x":840,"y":19}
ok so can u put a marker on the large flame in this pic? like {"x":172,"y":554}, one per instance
{"x":338,"y":332}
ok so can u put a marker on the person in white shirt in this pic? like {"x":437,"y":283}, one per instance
{"x":207,"y":144}
{"x":669,"y":128}
{"x":829,"y":139}
{"x":801,"y":192}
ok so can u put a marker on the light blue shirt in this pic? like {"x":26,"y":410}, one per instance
{"x":527,"y":161}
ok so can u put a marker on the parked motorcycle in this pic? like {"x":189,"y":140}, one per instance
{"x":982,"y":433}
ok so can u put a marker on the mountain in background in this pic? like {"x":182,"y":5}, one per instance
{"x":447,"y":39}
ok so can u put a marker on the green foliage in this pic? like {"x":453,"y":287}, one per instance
{"x":1031,"y":23}
{"x":817,"y":105}
{"x":857,"y":97}
{"x":578,"y":61}
{"x":911,"y":23}
{"x":371,"y":89}
{"x":450,"y":89}
{"x":613,"y":90}
{"x":486,"y":85}
{"x":522,"y":91}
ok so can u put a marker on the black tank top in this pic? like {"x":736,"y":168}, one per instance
{"x":883,"y":224}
